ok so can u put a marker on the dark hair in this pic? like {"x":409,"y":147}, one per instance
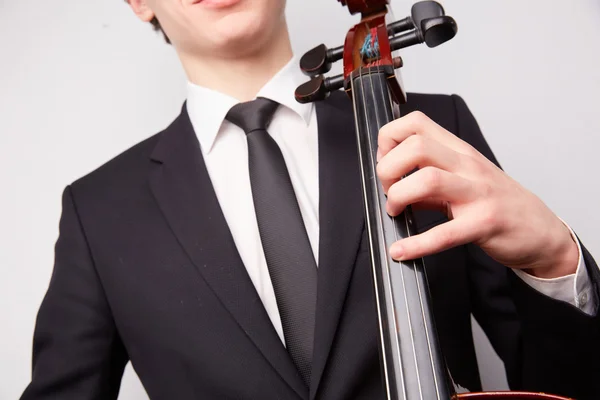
{"x":157,"y":27}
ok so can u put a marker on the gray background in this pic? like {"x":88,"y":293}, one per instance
{"x":80,"y":81}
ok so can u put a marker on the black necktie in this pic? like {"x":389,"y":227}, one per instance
{"x":290,"y":259}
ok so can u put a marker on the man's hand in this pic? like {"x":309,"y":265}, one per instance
{"x":485,"y":206}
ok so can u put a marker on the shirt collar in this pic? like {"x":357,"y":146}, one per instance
{"x":208,"y":108}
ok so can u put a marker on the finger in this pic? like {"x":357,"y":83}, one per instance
{"x":417,"y":123}
{"x":439,"y":238}
{"x":426,"y":184}
{"x":432,"y":205}
{"x":415,"y":152}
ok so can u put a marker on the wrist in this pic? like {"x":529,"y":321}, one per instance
{"x":562,"y":260}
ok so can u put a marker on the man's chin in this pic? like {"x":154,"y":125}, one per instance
{"x":242,"y":33}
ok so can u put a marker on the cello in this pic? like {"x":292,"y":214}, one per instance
{"x":412,"y":363}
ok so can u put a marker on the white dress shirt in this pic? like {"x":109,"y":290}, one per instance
{"x":575,"y":289}
{"x":225,"y":151}
{"x":294,"y":128}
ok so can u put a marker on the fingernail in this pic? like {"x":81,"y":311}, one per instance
{"x":378,"y":154}
{"x":397,"y":252}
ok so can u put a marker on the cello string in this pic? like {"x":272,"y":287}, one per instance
{"x":382,"y":92}
{"x":403,"y":278}
{"x":380,"y":217}
{"x":405,"y":219}
{"x":372,"y":250}
{"x":427,"y":335}
{"x":421,"y":295}
{"x":370,"y":158}
{"x":420,"y":291}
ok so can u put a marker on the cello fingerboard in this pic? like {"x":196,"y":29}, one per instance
{"x":412,"y":362}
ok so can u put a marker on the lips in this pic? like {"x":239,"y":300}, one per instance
{"x":216,"y":3}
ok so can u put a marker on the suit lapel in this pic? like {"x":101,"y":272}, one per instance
{"x":184,"y":192}
{"x":341,"y":221}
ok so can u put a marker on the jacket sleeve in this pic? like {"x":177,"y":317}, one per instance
{"x":77,"y":353}
{"x":547,"y":345}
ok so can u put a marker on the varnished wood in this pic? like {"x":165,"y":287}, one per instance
{"x":365,"y":7}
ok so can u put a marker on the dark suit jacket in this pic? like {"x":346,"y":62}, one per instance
{"x":146,"y":270}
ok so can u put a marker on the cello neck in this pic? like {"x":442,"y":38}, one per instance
{"x":412,"y":364}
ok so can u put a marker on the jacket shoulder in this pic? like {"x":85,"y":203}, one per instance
{"x":441,"y":108}
{"x":119,"y":181}
{"x":123,"y":167}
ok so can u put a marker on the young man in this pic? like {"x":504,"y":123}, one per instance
{"x":176,"y":254}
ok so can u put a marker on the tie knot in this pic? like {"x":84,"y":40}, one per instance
{"x":252,"y":115}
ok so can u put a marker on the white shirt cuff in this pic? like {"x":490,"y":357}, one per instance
{"x":575,"y":289}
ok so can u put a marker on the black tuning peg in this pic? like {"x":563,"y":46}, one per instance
{"x":420,"y":11}
{"x":431,"y":25}
{"x":318,"y":88}
{"x":318,"y":60}
{"x":423,"y":10}
{"x":402,"y":25}
{"x":438,"y":30}
{"x":430,"y":19}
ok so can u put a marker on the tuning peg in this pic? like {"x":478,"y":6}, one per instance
{"x":430,"y":19}
{"x":433,"y":31}
{"x":318,"y":60}
{"x":423,"y":10}
{"x":402,"y":25}
{"x":318,"y":88}
{"x":430,"y":24}
{"x":438,"y":30}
